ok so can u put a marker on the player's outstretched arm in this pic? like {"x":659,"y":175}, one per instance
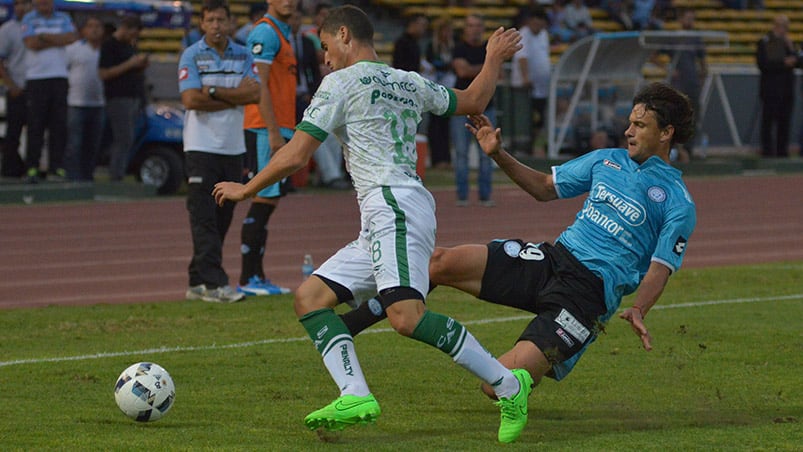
{"x":648,"y":293}
{"x":502,"y":45}
{"x":287,"y":160}
{"x":539,"y":185}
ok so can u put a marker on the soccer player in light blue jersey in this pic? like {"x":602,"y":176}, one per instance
{"x":631,"y":233}
{"x":374,"y":110}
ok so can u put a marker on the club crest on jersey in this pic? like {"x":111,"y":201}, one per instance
{"x":183,"y":73}
{"x":256,"y":49}
{"x":657,"y":194}
{"x":612,"y":164}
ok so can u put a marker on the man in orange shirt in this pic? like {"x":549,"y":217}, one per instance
{"x":268,"y":125}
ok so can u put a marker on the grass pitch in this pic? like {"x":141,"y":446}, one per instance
{"x":726,"y":373}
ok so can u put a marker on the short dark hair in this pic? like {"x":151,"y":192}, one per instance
{"x":352,"y":18}
{"x":321,"y":6}
{"x":413,"y":18}
{"x":131,"y":21}
{"x":671,"y":107}
{"x":257,"y":9}
{"x":211,"y":5}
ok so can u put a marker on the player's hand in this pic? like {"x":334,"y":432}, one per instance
{"x":248,"y":82}
{"x":231,"y":191}
{"x":503,"y":43}
{"x":489,"y":139}
{"x":275,"y":141}
{"x":637,"y":324}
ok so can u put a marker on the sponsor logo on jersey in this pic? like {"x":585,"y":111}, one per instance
{"x":656,"y":194}
{"x":626,"y":208}
{"x":183,"y":73}
{"x":612,"y":164}
{"x":593,"y":215}
{"x":562,"y":334}
{"x":390,"y":84}
{"x":376,"y":94}
{"x":680,"y":245}
{"x":572,"y":325}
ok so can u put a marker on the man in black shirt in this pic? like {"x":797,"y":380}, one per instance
{"x":122,"y":70}
{"x":406,"y":51}
{"x":468,"y":57}
{"x":777,"y":58}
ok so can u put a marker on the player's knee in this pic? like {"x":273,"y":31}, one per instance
{"x":404,"y":316}
{"x":306,"y":299}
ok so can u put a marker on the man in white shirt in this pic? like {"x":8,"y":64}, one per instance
{"x":12,"y":73}
{"x":85,"y":102}
{"x":532,"y":68}
{"x":46,"y":32}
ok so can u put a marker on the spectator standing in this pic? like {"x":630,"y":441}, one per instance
{"x":532,"y":67}
{"x":467,"y":61}
{"x":12,"y":73}
{"x":643,"y":17}
{"x":268,"y":124}
{"x":439,"y":55}
{"x":777,"y":58}
{"x":46,"y":32}
{"x":407,"y":49}
{"x":122,"y":69}
{"x":578,"y":19}
{"x":329,"y":156}
{"x":85,"y":102}
{"x":215,"y":79}
{"x":688,"y":69}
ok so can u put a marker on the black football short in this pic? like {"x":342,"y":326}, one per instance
{"x":548,"y":281}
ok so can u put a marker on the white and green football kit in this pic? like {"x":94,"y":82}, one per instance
{"x":374,"y":110}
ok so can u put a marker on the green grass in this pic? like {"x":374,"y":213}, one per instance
{"x":721,"y":377}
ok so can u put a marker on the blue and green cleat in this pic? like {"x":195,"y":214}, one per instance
{"x":345,"y":411}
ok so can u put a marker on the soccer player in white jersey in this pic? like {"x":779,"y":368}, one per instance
{"x":374,"y":110}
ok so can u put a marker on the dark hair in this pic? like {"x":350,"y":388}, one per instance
{"x":352,"y":18}
{"x":258,"y":9}
{"x":131,"y":21}
{"x":413,"y":18}
{"x":321,"y":6}
{"x":211,"y":5}
{"x":671,"y":107}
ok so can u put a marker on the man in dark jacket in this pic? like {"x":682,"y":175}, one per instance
{"x":776,"y":58}
{"x":406,"y":50}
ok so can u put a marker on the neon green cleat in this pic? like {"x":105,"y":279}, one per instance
{"x":344,"y":411}
{"x":514,"y":410}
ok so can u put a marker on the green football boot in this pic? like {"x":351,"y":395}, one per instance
{"x":514,"y":409}
{"x":343,"y":412}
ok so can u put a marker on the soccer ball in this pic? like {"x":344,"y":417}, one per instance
{"x":144,"y":392}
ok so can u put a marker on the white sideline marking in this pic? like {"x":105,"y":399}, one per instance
{"x":372,"y":331}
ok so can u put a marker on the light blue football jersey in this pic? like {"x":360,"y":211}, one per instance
{"x":634,"y":214}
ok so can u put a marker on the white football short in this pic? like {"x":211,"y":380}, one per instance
{"x":397,"y":238}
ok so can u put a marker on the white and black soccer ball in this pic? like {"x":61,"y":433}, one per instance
{"x":145,"y":392}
